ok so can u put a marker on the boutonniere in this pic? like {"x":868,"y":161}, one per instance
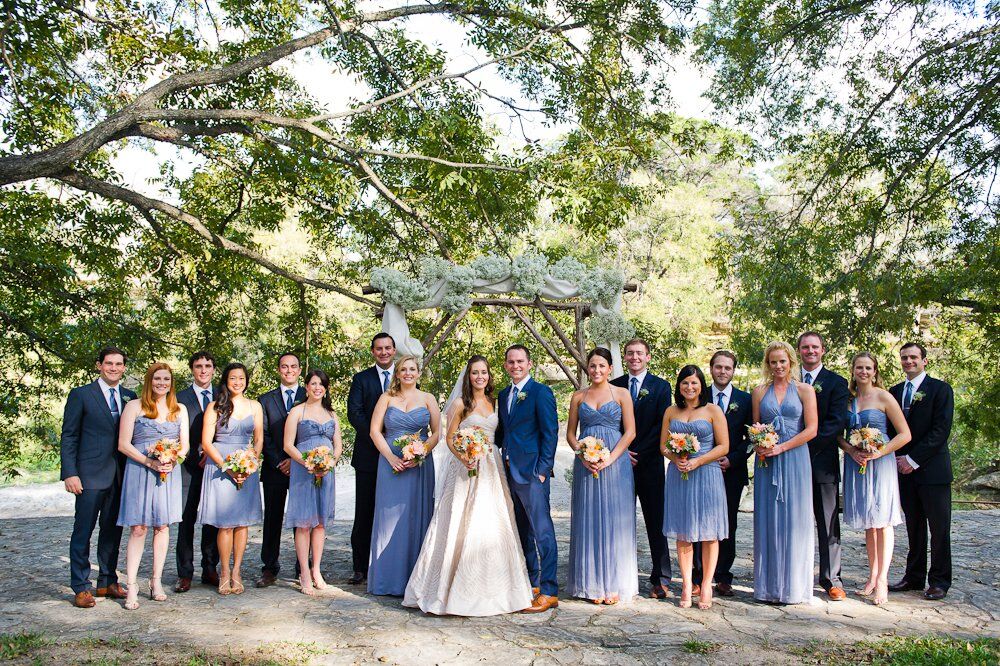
{"x":917,"y":397}
{"x":643,"y":393}
{"x":818,"y":387}
{"x":126,"y":398}
{"x":732,"y":408}
{"x":521,"y":395}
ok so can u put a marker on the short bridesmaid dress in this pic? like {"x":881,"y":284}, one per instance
{"x":222,"y":503}
{"x":146,"y":500}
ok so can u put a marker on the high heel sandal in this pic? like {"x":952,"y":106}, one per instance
{"x":156,"y":597}
{"x":237,"y":586}
{"x":225,"y":585}
{"x":306,"y":589}
{"x":134,"y":603}
{"x":317,"y":580}
{"x":879,"y":597}
{"x":685,"y":603}
{"x":703,"y":603}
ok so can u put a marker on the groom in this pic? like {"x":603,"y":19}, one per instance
{"x":527,"y":434}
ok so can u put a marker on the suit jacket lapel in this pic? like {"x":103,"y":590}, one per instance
{"x":102,"y":399}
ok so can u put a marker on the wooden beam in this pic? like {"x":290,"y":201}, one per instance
{"x":444,"y":336}
{"x":570,"y":347}
{"x":581,"y":341}
{"x":522,"y":303}
{"x":434,"y":331}
{"x":548,"y":348}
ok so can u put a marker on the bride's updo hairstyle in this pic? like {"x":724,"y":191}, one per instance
{"x":468,"y":402}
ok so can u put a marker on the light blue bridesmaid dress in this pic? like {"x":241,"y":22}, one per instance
{"x":404,"y":504}
{"x":871,"y":499}
{"x":222,"y":504}
{"x":602,"y":546}
{"x":783,"y":545}
{"x":694,"y":509}
{"x":309,"y":506}
{"x":145,"y":499}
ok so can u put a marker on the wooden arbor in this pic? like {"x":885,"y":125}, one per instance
{"x":575,"y":346}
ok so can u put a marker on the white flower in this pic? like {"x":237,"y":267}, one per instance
{"x":569,"y":269}
{"x":491,"y":267}
{"x":399,"y":289}
{"x":529,"y":272}
{"x":603,"y":286}
{"x":609,"y":327}
{"x":431,"y":269}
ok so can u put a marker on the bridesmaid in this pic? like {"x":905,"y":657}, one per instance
{"x":602,"y":547}
{"x":146,"y":500}
{"x":232,"y":422}
{"x":404,"y":491}
{"x":310,"y":509}
{"x":783,"y":549}
{"x":871,"y":500}
{"x":695,"y":508}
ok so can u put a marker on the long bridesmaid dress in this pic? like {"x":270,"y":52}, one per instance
{"x":404,"y":504}
{"x":783,"y":546}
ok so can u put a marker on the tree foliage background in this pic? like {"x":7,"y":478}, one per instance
{"x":846,"y":183}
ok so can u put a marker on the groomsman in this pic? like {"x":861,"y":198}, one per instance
{"x":925,"y":476}
{"x":367,"y":387}
{"x":650,"y":397}
{"x":832,"y":395}
{"x":738,"y":408}
{"x":196,"y":398}
{"x":276,"y":404}
{"x":91,"y":469}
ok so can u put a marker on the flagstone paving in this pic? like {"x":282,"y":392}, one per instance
{"x":348,"y":626}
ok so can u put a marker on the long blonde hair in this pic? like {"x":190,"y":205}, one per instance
{"x":793,"y":364}
{"x":877,"y":382}
{"x":395,"y":387}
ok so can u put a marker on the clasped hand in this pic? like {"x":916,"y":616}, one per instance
{"x":157,"y":466}
{"x":861,"y":457}
{"x":769,"y":453}
{"x":685,"y":465}
{"x":398,"y":464}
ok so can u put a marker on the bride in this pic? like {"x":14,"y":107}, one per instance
{"x":471,"y":562}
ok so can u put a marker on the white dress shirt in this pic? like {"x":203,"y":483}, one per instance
{"x":105,"y":387}
{"x":641,"y":377}
{"x":199,"y":390}
{"x":916,"y":382}
{"x":727,"y":396}
{"x":517,"y":388}
{"x":381,"y":377}
{"x":814,"y":373}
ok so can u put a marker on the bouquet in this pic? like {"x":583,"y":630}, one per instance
{"x":869,"y":440}
{"x":683,"y":444}
{"x":764,"y":436}
{"x":165,"y":451}
{"x":319,"y":461}
{"x":593,"y":450}
{"x":242,"y":462}
{"x":413,"y":448}
{"x":473,"y":443}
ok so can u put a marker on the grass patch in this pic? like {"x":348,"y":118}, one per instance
{"x":700,"y":647}
{"x":905,"y":651}
{"x":19,"y":645}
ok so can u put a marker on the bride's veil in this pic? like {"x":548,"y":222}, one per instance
{"x":455,"y":395}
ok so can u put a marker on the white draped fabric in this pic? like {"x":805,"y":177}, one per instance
{"x":394,"y":317}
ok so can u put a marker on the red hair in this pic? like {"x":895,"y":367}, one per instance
{"x":149,"y":400}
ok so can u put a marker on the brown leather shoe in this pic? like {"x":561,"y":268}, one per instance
{"x":84,"y":600}
{"x":210,"y":578}
{"x":836,"y":594}
{"x":113,"y":591}
{"x":183,"y":585}
{"x":724,"y":589}
{"x":542,"y":603}
{"x":935,"y":593}
{"x":658,"y":592}
{"x":695,"y":590}
{"x":267,"y":579}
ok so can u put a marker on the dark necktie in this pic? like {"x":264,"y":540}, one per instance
{"x":206,"y":397}
{"x":290,"y":400}
{"x":808,"y":378}
{"x":385,"y":381}
{"x":635,"y":388}
{"x":115,"y":413}
{"x":907,"y":397}
{"x":721,"y":401}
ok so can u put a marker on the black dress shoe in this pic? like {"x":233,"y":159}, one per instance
{"x":904,"y":586}
{"x":724,"y":589}
{"x":935,"y":593}
{"x":210,"y":578}
{"x":267,"y":579}
{"x":357,"y":578}
{"x":183,"y":585}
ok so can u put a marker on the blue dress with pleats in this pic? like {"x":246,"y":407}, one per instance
{"x":783,"y":545}
{"x":222,"y":503}
{"x":694,"y":509}
{"x":309,"y":506}
{"x":145,"y":499}
{"x":404,"y":504}
{"x":871,"y":499}
{"x":602,"y":546}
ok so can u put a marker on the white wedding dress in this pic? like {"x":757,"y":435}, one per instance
{"x":471,"y":562}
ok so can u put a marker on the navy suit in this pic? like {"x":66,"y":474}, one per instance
{"x":366,"y":389}
{"x":89,"y":449}
{"x":649,"y":470}
{"x":274,"y":480}
{"x":925,"y":493}
{"x":527,"y":434}
{"x":831,"y":408}
{"x":193,"y":471}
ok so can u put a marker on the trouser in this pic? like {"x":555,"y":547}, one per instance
{"x":538,"y":535}
{"x":364,"y":518}
{"x":727,"y":547}
{"x":274,"y":516}
{"x":826,"y":509}
{"x":185,"y":531}
{"x":95,"y":507}
{"x":649,"y":476}
{"x":927,"y":508}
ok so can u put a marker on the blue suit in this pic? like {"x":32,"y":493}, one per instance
{"x":88,"y":449}
{"x":527,"y":434}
